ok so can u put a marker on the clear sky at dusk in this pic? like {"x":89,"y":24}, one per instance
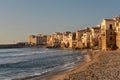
{"x":20,"y":18}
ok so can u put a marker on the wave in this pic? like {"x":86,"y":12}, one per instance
{"x":10,"y":50}
{"x":45,"y":72}
{"x":13,"y":55}
{"x":23,"y":53}
{"x":34,"y":75}
{"x":33,"y":62}
{"x":20,"y":54}
{"x":69,"y":65}
{"x":12,"y":65}
{"x":5,"y":79}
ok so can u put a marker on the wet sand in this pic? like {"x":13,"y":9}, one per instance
{"x":100,"y":65}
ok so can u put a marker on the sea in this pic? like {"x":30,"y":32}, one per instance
{"x":28,"y":63}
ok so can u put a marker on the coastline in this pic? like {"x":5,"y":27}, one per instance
{"x":62,"y":73}
{"x":96,"y":65}
{"x":36,"y":62}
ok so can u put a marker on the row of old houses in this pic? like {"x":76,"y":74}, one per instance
{"x":105,"y":36}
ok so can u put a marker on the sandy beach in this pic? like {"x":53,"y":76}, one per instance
{"x":100,"y":65}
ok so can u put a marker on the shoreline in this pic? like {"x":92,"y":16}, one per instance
{"x":58,"y":73}
{"x":97,"y":65}
{"x":79,"y":66}
{"x":53,"y":72}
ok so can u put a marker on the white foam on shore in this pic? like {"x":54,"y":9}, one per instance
{"x":30,"y":76}
{"x":58,"y":55}
{"x":4,"y":78}
{"x":68,"y":65}
{"x":45,"y":72}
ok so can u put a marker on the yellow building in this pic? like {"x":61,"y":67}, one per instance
{"x":108,"y":35}
{"x":86,"y":38}
{"x":49,"y":40}
{"x":65,"y":40}
{"x":117,"y":24}
{"x":33,"y":40}
{"x":72,"y":40}
{"x":79,"y":35}
{"x":55,"y":39}
{"x":95,"y":36}
{"x":38,"y":39}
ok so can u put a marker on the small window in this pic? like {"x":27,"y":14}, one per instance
{"x":110,"y":33}
{"x":110,"y":26}
{"x":110,"y":38}
{"x":83,"y":44}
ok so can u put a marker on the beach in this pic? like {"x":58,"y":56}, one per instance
{"x":99,"y":65}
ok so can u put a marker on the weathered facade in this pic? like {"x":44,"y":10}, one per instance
{"x":65,"y":40}
{"x":117,"y":24}
{"x":49,"y":40}
{"x":72,"y":40}
{"x":56,"y":39}
{"x":32,"y":40}
{"x":95,"y":37}
{"x":79,"y":35}
{"x":86,"y":38}
{"x":108,"y":35}
{"x":105,"y":36}
{"x":38,"y":39}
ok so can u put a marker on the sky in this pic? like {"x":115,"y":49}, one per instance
{"x":21,"y":18}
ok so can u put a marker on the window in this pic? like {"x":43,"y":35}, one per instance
{"x":83,"y":44}
{"x":110,"y":38}
{"x":110,"y":26}
{"x":110,"y":33}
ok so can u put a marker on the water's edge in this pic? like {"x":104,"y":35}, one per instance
{"x":28,"y":64}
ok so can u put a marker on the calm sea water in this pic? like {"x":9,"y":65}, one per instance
{"x":26,"y":63}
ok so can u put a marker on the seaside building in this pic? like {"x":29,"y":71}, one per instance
{"x":72,"y":40}
{"x":55,"y":39}
{"x":105,"y":36}
{"x":33,"y":40}
{"x":86,"y":38}
{"x":108,"y":34}
{"x":38,"y":39}
{"x":117,"y":24}
{"x":79,"y":35}
{"x":42,"y":39}
{"x":49,"y":40}
{"x":95,"y":36}
{"x":65,"y":40}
